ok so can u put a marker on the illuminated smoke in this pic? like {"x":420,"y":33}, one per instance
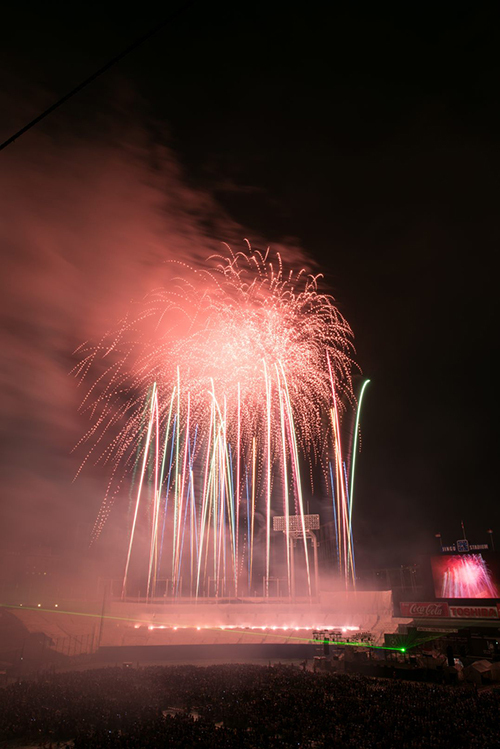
{"x":212,"y":394}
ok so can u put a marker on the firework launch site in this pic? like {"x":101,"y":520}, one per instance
{"x":224,"y":414}
{"x":400,"y":627}
{"x":225,"y":417}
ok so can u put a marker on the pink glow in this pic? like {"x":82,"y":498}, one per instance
{"x":245,"y":354}
{"x":463,"y":576}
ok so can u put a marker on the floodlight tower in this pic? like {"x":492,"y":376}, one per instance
{"x":293,"y":527}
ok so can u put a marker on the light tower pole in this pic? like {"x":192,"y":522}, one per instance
{"x":492,"y":543}
{"x":293,"y":527}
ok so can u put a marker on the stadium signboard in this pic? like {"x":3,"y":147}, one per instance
{"x":439,"y":609}
{"x":435,"y":628}
{"x":474,"y":612}
{"x":311,"y":523}
{"x":463,"y":546}
{"x":424,"y":608}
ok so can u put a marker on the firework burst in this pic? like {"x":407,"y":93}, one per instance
{"x":212,"y":396}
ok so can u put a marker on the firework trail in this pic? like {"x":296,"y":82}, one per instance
{"x":214,"y":396}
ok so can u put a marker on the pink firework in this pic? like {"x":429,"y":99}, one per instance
{"x":211,"y":392}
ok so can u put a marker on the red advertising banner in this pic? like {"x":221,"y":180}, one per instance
{"x":424,"y":609}
{"x":474,"y":612}
{"x":431,"y":609}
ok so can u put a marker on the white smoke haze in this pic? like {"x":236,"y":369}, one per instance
{"x":87,"y":226}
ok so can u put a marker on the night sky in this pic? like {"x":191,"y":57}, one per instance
{"x":367,"y":142}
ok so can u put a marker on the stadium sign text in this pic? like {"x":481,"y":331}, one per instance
{"x":424,"y":609}
{"x":445,"y":630}
{"x":474,"y":612}
{"x":431,"y":609}
{"x":463,"y":546}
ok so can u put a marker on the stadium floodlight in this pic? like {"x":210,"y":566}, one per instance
{"x":311,"y":523}
{"x":295,"y":527}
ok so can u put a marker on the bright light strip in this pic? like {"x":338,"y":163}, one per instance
{"x":243,"y":627}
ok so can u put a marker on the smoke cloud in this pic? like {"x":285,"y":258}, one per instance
{"x":87,"y":225}
{"x":85,"y":229}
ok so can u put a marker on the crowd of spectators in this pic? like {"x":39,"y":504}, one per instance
{"x":243,"y":706}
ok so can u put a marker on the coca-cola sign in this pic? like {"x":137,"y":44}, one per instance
{"x":424,"y":609}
